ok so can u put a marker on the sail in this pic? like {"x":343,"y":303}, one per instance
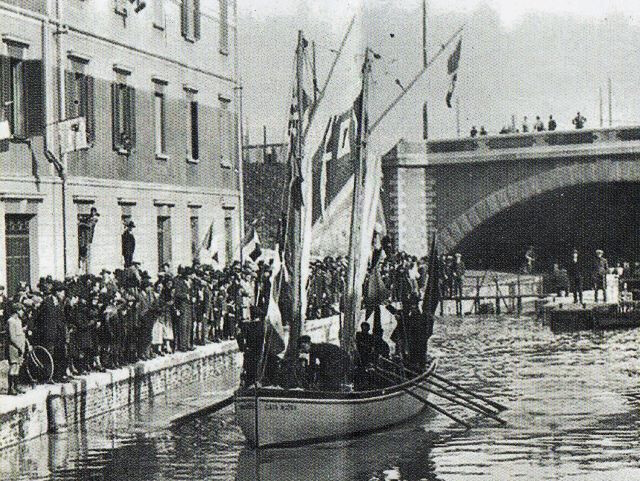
{"x":335,"y":97}
{"x":366,"y":189}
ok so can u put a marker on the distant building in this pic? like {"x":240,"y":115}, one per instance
{"x":266,"y":153}
{"x":155,"y":91}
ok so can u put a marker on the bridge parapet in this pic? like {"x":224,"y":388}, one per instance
{"x":615,"y":140}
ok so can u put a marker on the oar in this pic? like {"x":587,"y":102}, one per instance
{"x":498,"y":406}
{"x":460,"y":402}
{"x":451,"y":392}
{"x":426,"y":402}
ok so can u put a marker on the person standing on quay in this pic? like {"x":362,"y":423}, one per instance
{"x":17,"y":347}
{"x":599,"y":275}
{"x":574,"y":270}
{"x":128,"y":244}
{"x":457,"y":273}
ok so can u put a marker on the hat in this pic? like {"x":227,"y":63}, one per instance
{"x":599,"y":251}
{"x":130,"y":224}
{"x":304,"y":339}
{"x":105,"y":271}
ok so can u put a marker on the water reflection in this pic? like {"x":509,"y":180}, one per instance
{"x":574,"y":414}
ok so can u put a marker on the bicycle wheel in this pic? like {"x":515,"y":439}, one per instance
{"x":39,"y":364}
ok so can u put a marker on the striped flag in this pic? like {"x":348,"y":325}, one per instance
{"x":452,"y":70}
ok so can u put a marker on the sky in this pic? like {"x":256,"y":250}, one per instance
{"x":519,"y":58}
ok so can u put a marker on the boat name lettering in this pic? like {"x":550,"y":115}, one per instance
{"x":281,"y":407}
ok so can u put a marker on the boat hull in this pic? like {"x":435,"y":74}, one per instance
{"x":287,"y":417}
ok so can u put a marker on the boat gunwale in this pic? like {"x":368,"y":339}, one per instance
{"x":291,"y":395}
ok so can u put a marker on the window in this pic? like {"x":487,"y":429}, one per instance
{"x":21,"y":92}
{"x":80,"y":98}
{"x":164,"y":240}
{"x":224,"y":27}
{"x":158,"y":14}
{"x":195,"y":238}
{"x":193,"y":144}
{"x":228,"y":239}
{"x":191,"y":19}
{"x":123,"y":102}
{"x":159,"y":115}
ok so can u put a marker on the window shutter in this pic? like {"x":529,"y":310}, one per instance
{"x":131,"y":114}
{"x":70,"y":94}
{"x":195,"y":147}
{"x":196,"y":19}
{"x":115,"y":117}
{"x":185,"y":18}
{"x":90,"y":111}
{"x":34,"y":97}
{"x":5,"y":93}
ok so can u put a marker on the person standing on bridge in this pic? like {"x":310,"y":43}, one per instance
{"x":579,"y":121}
{"x":525,"y":125}
{"x":552,"y":124}
{"x":574,"y":271}
{"x":599,"y":275}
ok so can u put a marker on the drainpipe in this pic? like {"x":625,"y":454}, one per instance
{"x":48,"y":143}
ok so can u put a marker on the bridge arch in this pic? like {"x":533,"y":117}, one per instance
{"x":599,"y":171}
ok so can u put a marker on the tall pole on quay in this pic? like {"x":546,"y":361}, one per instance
{"x":610,"y":103}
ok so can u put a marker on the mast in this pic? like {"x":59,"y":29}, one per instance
{"x":353,"y":295}
{"x":295,"y":215}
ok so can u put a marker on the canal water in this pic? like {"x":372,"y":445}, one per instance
{"x":574,"y":414}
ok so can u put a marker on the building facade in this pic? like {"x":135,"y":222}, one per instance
{"x":124,"y":106}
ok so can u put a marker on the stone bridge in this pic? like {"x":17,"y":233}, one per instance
{"x":492,"y":196}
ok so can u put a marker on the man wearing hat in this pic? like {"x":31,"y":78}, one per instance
{"x":184,"y":308}
{"x":329,"y":365}
{"x":52,"y":326}
{"x":574,"y":271}
{"x":128,"y":244}
{"x":599,"y":275}
{"x":17,"y":346}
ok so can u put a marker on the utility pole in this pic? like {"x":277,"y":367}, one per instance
{"x":264,"y":143}
{"x":610,"y":106}
{"x":600,"y":105}
{"x":425,"y":110}
{"x":458,"y":115}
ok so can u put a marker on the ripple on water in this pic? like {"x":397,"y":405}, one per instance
{"x":574,"y":414}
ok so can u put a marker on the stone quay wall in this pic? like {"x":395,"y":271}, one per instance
{"x":51,"y":408}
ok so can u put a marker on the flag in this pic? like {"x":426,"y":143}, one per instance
{"x":274,"y":330}
{"x":452,"y":70}
{"x":432,"y":292}
{"x":251,"y":245}
{"x":210,"y":244}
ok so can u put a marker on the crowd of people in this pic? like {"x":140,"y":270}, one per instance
{"x":579,"y":121}
{"x":98,"y":322}
{"x":93,"y":323}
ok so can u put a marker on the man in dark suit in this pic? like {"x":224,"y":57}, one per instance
{"x":574,"y":271}
{"x":128,"y":244}
{"x":53,"y":330}
{"x":599,"y":275}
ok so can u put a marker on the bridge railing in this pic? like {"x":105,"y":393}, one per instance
{"x":535,"y":139}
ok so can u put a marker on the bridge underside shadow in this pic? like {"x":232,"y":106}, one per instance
{"x":588,"y":217}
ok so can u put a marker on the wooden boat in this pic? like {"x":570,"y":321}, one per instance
{"x":279,"y":417}
{"x":291,"y":417}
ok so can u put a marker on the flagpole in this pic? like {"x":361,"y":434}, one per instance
{"x":415,"y":79}
{"x":425,"y":60}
